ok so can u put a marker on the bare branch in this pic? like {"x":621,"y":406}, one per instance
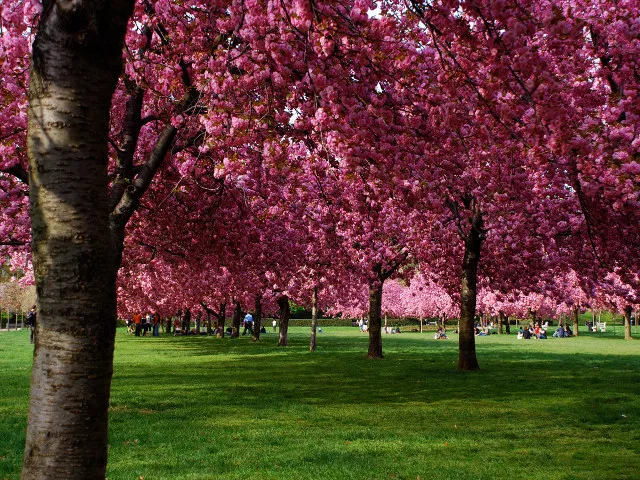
{"x":19,"y":172}
{"x":13,"y":243}
{"x":11,"y":134}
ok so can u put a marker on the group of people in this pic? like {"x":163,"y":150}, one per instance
{"x":183,"y":323}
{"x":140,"y":324}
{"x":180,"y":324}
{"x":563,"y":331}
{"x":538,"y":331}
{"x":389,"y":329}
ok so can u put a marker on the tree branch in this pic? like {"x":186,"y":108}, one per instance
{"x":13,"y":243}
{"x":19,"y":172}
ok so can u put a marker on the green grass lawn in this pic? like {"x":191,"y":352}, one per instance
{"x":207,"y":408}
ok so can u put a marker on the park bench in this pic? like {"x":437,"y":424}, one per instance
{"x":602,"y":326}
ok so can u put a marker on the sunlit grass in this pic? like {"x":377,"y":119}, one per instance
{"x":207,"y":408}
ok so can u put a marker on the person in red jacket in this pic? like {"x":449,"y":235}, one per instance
{"x":137,"y":320}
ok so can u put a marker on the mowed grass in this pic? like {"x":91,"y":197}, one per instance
{"x":207,"y":408}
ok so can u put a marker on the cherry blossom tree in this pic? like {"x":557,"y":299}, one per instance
{"x":492,"y":143}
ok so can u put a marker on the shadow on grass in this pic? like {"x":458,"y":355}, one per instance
{"x":312,"y":410}
{"x":415,"y":370}
{"x":182,"y":407}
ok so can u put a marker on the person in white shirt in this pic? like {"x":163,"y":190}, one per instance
{"x":248,"y":323}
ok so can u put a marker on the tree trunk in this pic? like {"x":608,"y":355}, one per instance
{"x":507,"y":325}
{"x":257,"y":319}
{"x":576,"y":321}
{"x":285,"y":312}
{"x":467,"y":342}
{"x":222,"y":315}
{"x":500,"y":321}
{"x":75,"y":66}
{"x":237,"y":319}
{"x":375,"y":319}
{"x":627,"y":323}
{"x":314,"y":319}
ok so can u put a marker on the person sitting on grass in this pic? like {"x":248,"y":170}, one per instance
{"x":568,"y":332}
{"x":478,"y":332}
{"x":559,"y":332}
{"x":441,"y":334}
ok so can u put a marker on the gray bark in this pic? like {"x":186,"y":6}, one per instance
{"x":75,"y":66}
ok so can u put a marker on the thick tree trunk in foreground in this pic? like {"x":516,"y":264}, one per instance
{"x":257,"y":319}
{"x":75,"y":66}
{"x":576,"y":321}
{"x":627,"y":323}
{"x":467,"y":342}
{"x":285,"y":313}
{"x":236,"y":321}
{"x":314,"y":319}
{"x":375,"y":319}
{"x":500,"y":321}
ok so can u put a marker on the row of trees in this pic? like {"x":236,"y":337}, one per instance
{"x":240,"y":153}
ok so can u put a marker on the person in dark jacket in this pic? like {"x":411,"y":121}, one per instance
{"x":31,"y":321}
